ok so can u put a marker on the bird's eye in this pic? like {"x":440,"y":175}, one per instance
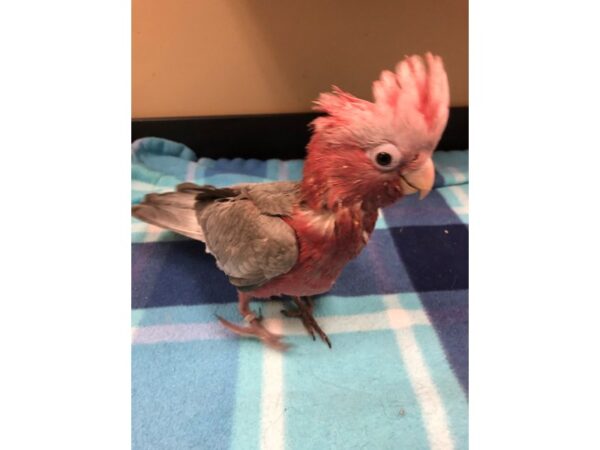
{"x":383,"y":159}
{"x":385,"y":156}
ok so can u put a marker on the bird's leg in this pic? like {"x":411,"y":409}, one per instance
{"x":254,"y":328}
{"x":305,"y":314}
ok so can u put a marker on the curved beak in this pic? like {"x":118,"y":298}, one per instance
{"x":420,"y":180}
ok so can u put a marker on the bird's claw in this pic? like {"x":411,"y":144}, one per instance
{"x":312,"y":326}
{"x":256,"y":330}
{"x":304,"y":313}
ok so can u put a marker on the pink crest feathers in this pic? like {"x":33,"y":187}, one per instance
{"x":410,"y":109}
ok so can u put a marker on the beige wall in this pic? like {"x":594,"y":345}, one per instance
{"x":214,"y":57}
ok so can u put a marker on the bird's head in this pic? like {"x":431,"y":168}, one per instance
{"x":376,"y":152}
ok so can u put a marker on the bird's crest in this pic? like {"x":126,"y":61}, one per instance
{"x":410,"y":108}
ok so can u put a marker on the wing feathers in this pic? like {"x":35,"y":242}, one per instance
{"x":241,"y":226}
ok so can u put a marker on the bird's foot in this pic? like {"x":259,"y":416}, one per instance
{"x":256,"y":330}
{"x":305,"y":314}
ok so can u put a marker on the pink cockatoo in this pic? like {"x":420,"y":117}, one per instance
{"x":294,"y":238}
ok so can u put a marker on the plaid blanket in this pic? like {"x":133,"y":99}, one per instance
{"x":397,"y":376}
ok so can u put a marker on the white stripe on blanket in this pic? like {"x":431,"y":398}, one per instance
{"x":272,"y":425}
{"x":432,"y":407}
{"x":394,"y":319}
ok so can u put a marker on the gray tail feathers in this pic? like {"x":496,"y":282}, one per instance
{"x":178,"y":211}
{"x":175,"y":211}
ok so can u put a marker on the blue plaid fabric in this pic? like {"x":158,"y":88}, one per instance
{"x":397,"y":376}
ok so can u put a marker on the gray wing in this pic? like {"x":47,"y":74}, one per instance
{"x":276,"y":198}
{"x":250,"y":247}
{"x":242,"y":226}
